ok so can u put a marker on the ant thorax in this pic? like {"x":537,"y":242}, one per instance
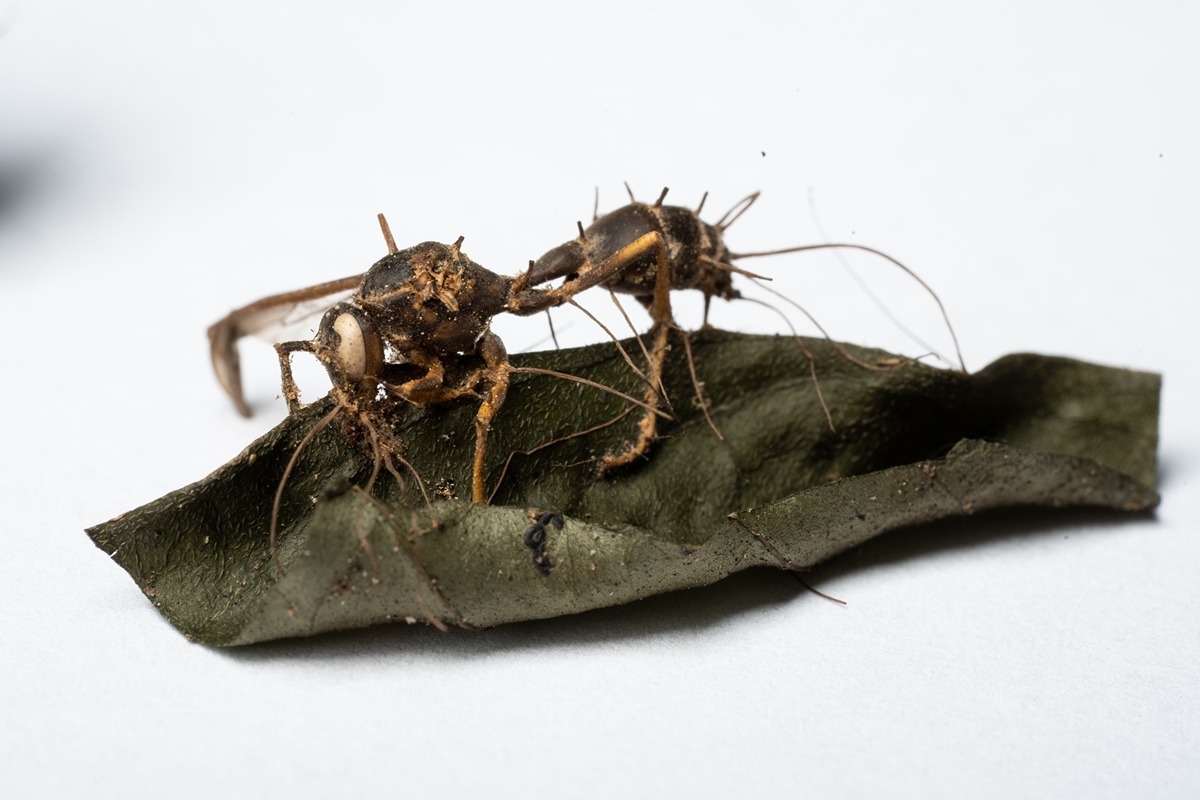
{"x":432,"y":298}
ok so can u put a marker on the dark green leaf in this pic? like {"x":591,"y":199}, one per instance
{"x":912,"y":444}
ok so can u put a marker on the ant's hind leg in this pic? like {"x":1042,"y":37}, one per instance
{"x":495,"y":374}
{"x":660,"y":312}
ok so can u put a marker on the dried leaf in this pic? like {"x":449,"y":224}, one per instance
{"x":912,"y":444}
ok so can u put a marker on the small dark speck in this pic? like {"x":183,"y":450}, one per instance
{"x":535,"y":539}
{"x":764,"y":153}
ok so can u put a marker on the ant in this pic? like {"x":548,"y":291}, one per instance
{"x":428,"y":307}
{"x":648,"y":250}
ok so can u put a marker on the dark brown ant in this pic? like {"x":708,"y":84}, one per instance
{"x":649,"y":250}
{"x":422,"y":307}
{"x":430,"y":304}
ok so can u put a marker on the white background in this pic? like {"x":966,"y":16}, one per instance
{"x":161,"y":163}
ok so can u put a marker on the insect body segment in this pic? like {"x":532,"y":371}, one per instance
{"x":433,"y":298}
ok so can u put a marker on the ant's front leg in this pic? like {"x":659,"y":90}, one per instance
{"x":571,"y":260}
{"x":431,"y":388}
{"x":291,"y":392}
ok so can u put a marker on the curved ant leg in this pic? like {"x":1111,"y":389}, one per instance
{"x":660,"y":312}
{"x":431,"y":388}
{"x":570,"y":261}
{"x":291,"y":392}
{"x":495,"y":374}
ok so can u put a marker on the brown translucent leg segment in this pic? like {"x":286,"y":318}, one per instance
{"x":660,"y":312}
{"x":495,"y":375}
{"x":291,"y":392}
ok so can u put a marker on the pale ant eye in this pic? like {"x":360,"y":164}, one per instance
{"x":351,"y":349}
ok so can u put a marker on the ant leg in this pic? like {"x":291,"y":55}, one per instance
{"x":291,"y":392}
{"x":572,"y":259}
{"x":660,"y":312}
{"x":431,"y":388}
{"x":496,"y":375}
{"x":424,"y":390}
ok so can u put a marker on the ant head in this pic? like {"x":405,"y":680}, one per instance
{"x":349,"y":346}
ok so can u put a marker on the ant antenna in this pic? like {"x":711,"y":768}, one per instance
{"x":387,"y":236}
